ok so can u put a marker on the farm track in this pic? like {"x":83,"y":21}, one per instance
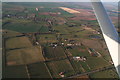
{"x":69,"y":60}
{"x":16,"y":48}
{"x":26,"y":67}
{"x":67,"y":55}
{"x":45,"y":63}
{"x":15,"y":36}
{"x":37,"y":33}
{"x":48,"y":71}
{"x":57,"y":59}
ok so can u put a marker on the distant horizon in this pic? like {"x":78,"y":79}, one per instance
{"x":57,"y":0}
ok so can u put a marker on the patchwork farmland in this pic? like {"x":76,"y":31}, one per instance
{"x":45,"y":40}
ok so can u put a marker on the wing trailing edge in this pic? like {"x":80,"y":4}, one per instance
{"x":109,"y":32}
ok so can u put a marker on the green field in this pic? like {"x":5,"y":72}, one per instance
{"x":54,"y":10}
{"x":95,"y":62}
{"x":61,"y":29}
{"x":43,"y":29}
{"x":38,"y":70}
{"x":85,"y":66}
{"x":83,"y":34}
{"x":77,"y":66}
{"x":79,"y":51}
{"x":107,"y":74}
{"x":9,"y":34}
{"x":24,"y":26}
{"x":54,"y":53}
{"x":15,"y":72}
{"x":47,"y":38}
{"x":60,"y":66}
{"x":63,"y":36}
{"x":18,"y":42}
{"x":24,"y":56}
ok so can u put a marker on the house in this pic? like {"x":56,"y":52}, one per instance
{"x":79,"y":58}
{"x":54,"y":44}
{"x":37,"y":43}
{"x":69,"y":44}
{"x":62,"y":43}
{"x":62,"y":74}
{"x":36,"y":9}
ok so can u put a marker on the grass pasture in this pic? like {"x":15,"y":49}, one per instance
{"x":54,"y":10}
{"x":54,"y":53}
{"x":24,"y":56}
{"x":18,"y":71}
{"x":79,"y":51}
{"x":77,"y":66}
{"x":61,"y":29}
{"x":85,"y":66}
{"x":60,"y":66}
{"x":8,"y":33}
{"x":47,"y":38}
{"x":107,"y":74}
{"x":43,"y":29}
{"x":38,"y":70}
{"x":83,"y":34}
{"x":17,"y":42}
{"x":23,"y":27}
{"x":63,"y":36}
{"x":95,"y":62}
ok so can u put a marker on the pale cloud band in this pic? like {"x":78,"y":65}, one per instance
{"x":58,"y":0}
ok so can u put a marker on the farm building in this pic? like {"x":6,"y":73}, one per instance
{"x":79,"y":58}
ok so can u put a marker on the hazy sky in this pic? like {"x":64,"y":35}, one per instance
{"x":57,"y":0}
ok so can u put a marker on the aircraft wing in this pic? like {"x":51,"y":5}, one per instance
{"x":109,"y":32}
